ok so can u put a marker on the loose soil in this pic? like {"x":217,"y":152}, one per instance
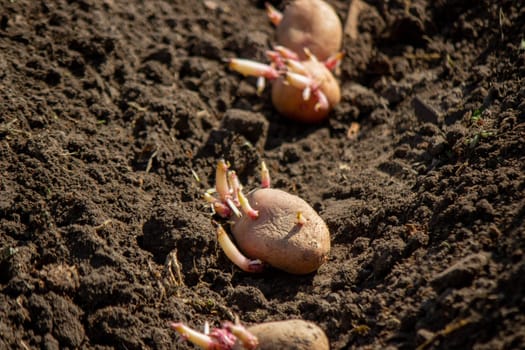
{"x":114,"y":113}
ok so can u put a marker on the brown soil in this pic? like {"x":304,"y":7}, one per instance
{"x":111,"y":110}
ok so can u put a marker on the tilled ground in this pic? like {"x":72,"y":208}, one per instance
{"x":114,"y":113}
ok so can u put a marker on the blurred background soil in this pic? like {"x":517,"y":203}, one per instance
{"x":114,"y":113}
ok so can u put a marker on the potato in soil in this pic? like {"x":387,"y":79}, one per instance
{"x":277,"y":237}
{"x":288,"y":335}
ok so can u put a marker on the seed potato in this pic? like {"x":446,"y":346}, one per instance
{"x":277,"y":238}
{"x":288,"y":335}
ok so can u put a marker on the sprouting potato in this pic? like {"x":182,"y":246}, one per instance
{"x":289,"y":335}
{"x":277,"y":237}
{"x":288,"y":98}
{"x":309,"y":34}
{"x":304,"y":91}
{"x":270,"y":226}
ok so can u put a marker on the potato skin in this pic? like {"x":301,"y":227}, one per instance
{"x":288,"y":335}
{"x":311,"y":24}
{"x":276,"y":238}
{"x":289,"y":102}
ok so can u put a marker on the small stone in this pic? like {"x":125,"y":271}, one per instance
{"x":462,"y":273}
{"x":425,"y":113}
{"x":162,"y":55}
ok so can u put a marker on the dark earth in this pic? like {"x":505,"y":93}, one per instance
{"x":113,"y":115}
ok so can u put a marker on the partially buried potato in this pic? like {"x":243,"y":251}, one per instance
{"x":289,"y":100}
{"x":288,"y":335}
{"x":309,"y":36}
{"x":278,"y":335}
{"x":277,"y":237}
{"x":270,"y":226}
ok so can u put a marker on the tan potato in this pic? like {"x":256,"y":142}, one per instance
{"x":309,"y":34}
{"x":288,"y":335}
{"x":280,"y":238}
{"x":311,"y":24}
{"x":289,"y":101}
{"x":270,"y":226}
{"x":284,"y":335}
